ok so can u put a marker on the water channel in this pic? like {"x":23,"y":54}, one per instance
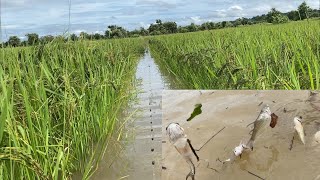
{"x":140,"y":154}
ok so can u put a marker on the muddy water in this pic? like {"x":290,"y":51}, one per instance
{"x":234,"y":110}
{"x":141,"y":154}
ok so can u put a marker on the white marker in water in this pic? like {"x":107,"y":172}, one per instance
{"x":299,"y":128}
{"x":183,"y":145}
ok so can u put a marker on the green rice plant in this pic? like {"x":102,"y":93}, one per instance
{"x":57,"y":101}
{"x":262,"y":56}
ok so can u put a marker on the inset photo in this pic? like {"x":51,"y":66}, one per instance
{"x":240,"y":134}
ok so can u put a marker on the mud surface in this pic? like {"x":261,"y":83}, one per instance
{"x":234,"y":110}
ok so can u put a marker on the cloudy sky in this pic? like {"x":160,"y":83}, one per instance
{"x":52,"y":17}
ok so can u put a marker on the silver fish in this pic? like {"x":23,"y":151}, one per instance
{"x":182,"y":145}
{"x":259,"y":125}
{"x":299,"y":128}
{"x":317,"y":137}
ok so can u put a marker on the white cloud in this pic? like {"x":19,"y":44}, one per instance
{"x":235,"y":8}
{"x":219,"y":13}
{"x":99,"y":32}
{"x":11,"y":26}
{"x":23,"y":38}
{"x":50,"y":17}
{"x":158,"y":3}
{"x":196,"y":19}
{"x":12,"y":3}
{"x":78,"y":31}
{"x":144,"y":25}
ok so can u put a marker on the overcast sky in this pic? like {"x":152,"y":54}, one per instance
{"x":52,"y":16}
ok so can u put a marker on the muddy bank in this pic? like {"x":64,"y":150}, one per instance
{"x":234,"y":110}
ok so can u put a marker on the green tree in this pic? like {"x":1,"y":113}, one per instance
{"x":238,"y":22}
{"x":134,"y":33}
{"x":155,"y":33}
{"x":272,"y":14}
{"x":218,"y":25}
{"x":46,"y":39}
{"x":304,"y":11}
{"x":73,"y":37}
{"x":107,"y":34}
{"x":33,"y":38}
{"x":158,"y":21}
{"x":97,"y":36}
{"x":156,"y":27}
{"x":84,"y":35}
{"x":276,"y":17}
{"x":60,"y":38}
{"x":279,"y":18}
{"x":223,"y":23}
{"x":206,"y":26}
{"x":293,"y":15}
{"x":116,"y":32}
{"x":14,"y":41}
{"x":229,"y":24}
{"x":24,"y":43}
{"x":143,"y":32}
{"x":314,"y":13}
{"x":192,"y":27}
{"x":259,"y":19}
{"x":182,"y":29}
{"x":244,"y":21}
{"x":170,"y":27}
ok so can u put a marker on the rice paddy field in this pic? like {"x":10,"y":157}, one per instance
{"x":263,"y":56}
{"x":58,"y":101}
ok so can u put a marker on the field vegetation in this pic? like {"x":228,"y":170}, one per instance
{"x":284,"y":56}
{"x":60,"y":99}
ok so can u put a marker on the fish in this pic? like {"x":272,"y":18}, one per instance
{"x":174,"y":131}
{"x":299,"y":128}
{"x":317,"y":137}
{"x":183,"y":145}
{"x":239,"y":149}
{"x":197,"y":110}
{"x":259,"y":125}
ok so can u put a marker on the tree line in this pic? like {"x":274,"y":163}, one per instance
{"x":273,"y":16}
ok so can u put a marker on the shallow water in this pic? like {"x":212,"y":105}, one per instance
{"x":141,"y":154}
{"x":234,"y":110}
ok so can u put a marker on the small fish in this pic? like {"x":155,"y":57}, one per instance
{"x":299,"y":128}
{"x":197,"y":110}
{"x":175,"y":131}
{"x":259,"y":125}
{"x":239,"y":149}
{"x":182,"y":145}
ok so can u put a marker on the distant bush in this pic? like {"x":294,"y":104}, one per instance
{"x":279,"y":18}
